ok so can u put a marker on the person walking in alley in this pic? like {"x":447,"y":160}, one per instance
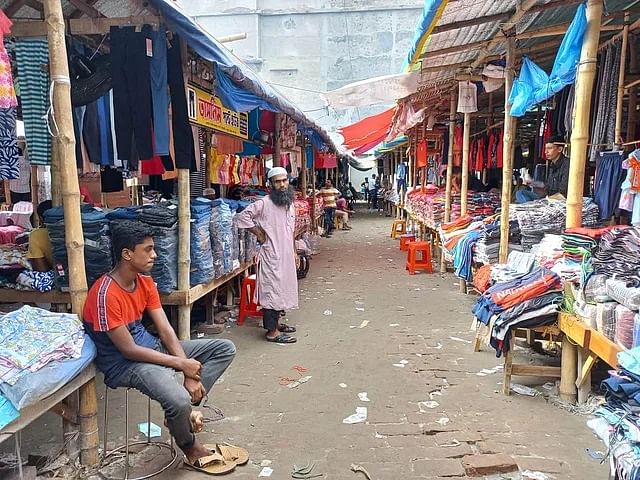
{"x":329,"y":196}
{"x":272,"y":220}
{"x":365,"y":189}
{"x":373,"y":191}
{"x":130,"y":357}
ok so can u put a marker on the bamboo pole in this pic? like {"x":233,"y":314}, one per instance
{"x":56,"y":174}
{"x":582,"y":110}
{"x":303,"y":169}
{"x":184,"y":227}
{"x":633,"y":91}
{"x":465,"y":164}
{"x":579,"y":139}
{"x":507,"y":165}
{"x":452,"y":131}
{"x":70,"y":190}
{"x":619,"y":101}
{"x":184,"y":251}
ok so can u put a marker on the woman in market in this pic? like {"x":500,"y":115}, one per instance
{"x":40,"y":253}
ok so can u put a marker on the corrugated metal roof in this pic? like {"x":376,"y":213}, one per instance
{"x":459,"y":11}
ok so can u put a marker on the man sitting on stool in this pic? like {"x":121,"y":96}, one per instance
{"x":129,"y":356}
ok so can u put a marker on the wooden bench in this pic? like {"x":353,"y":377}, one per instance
{"x":72,"y":419}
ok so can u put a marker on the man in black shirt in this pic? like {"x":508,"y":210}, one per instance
{"x":557,"y":178}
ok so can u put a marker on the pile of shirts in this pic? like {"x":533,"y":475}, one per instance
{"x":528,"y":301}
{"x":617,"y":422}
{"x":548,"y":216}
{"x":303,"y":215}
{"x":30,"y":338}
{"x":487,"y":248}
{"x":619,"y":255}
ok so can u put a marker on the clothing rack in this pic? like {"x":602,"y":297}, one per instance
{"x":490,"y":127}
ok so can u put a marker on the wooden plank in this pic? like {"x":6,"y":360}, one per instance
{"x":200,"y":291}
{"x":82,"y":26}
{"x":575,"y":329}
{"x":604,"y":348}
{"x":33,"y":412}
{"x":88,"y":10}
{"x":535,"y":370}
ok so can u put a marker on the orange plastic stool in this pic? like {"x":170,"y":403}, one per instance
{"x":424,"y":263}
{"x":405,"y":240}
{"x":248,"y":308}
{"x":398,"y":228}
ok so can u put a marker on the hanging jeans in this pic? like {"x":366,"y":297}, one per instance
{"x":609,"y":177}
{"x":131,"y":92}
{"x":160,"y":92}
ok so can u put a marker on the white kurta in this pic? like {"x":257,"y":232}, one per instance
{"x":277,"y":282}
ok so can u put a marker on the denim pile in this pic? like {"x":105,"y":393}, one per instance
{"x":221,"y":230}
{"x":617,"y":422}
{"x":163,"y":219}
{"x":202,"y":267}
{"x":97,"y":243}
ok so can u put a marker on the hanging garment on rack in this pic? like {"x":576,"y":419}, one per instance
{"x":160,"y":91}
{"x":481,"y":156}
{"x":458,"y":140}
{"x":234,"y":176}
{"x":33,"y":56}
{"x":467,"y":97}
{"x":185,"y":156}
{"x":132,"y":91}
{"x":609,"y":177}
{"x":604,"y":116}
{"x":626,"y":195}
{"x":9,"y":151}
{"x":111,"y":180}
{"x":421,"y":154}
{"x":7,"y":92}
{"x":214,"y":164}
{"x":198,"y":177}
{"x":22,"y":184}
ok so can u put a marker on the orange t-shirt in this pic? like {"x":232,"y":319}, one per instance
{"x":421,"y":154}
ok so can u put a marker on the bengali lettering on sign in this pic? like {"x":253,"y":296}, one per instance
{"x":206,"y":110}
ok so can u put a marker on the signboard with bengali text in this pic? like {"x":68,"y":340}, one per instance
{"x":206,"y":110}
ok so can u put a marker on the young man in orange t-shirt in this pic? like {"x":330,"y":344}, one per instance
{"x":129,"y":356}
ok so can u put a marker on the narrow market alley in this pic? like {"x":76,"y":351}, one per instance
{"x":365,"y":325}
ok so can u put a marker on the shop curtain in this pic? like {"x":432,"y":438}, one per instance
{"x":534,"y":86}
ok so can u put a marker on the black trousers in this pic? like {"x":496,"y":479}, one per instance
{"x":131,"y":92}
{"x":270,"y":318}
{"x":182,"y":133}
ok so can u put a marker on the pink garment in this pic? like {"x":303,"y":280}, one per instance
{"x":276,"y":279}
{"x":9,"y":233}
{"x":341,"y":204}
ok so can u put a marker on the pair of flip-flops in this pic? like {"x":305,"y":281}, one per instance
{"x":224,"y":458}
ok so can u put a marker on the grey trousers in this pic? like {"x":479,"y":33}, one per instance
{"x":160,"y":383}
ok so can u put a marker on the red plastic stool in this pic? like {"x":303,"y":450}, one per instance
{"x":248,"y":308}
{"x":405,"y":240}
{"x":424,"y":263}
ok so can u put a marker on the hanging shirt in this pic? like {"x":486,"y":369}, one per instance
{"x":421,"y":154}
{"x":467,"y":97}
{"x":558,"y":179}
{"x":22,"y":184}
{"x":401,"y":172}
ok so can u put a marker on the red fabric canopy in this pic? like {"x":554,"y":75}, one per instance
{"x":367,"y":130}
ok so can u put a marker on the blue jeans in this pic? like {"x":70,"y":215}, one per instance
{"x":159,"y":383}
{"x":525,"y":196}
{"x":329,"y":213}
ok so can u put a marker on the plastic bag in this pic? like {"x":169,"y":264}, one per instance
{"x":606,"y":319}
{"x":627,"y":296}
{"x":313,"y":243}
{"x":636,"y":331}
{"x":586,"y":312}
{"x":565,"y":66}
{"x":625,"y":319}
{"x":221,"y":233}
{"x":524,"y":90}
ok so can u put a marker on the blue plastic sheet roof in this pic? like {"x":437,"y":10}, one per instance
{"x":238,"y":86}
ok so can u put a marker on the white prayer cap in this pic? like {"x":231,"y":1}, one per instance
{"x":276,"y":171}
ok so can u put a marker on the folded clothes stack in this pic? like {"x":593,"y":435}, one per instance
{"x":548,"y":216}
{"x":530,"y":300}
{"x":618,"y":255}
{"x":487,"y":248}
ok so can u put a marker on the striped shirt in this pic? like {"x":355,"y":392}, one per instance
{"x":329,"y":195}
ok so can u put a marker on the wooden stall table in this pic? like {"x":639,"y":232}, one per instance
{"x":592,"y":346}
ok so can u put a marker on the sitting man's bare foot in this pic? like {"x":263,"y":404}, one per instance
{"x":197,"y":421}
{"x":195,"y":452}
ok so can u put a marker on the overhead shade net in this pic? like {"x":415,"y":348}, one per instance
{"x":431,"y":13}
{"x":534,"y":86}
{"x":364,"y":130}
{"x":256,"y":92}
{"x":373,"y":91}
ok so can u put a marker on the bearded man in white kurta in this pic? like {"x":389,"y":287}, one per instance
{"x":272,"y":219}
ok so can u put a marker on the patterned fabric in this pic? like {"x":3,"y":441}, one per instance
{"x":33,"y":78}
{"x":9,"y":152}
{"x":7,"y":92}
{"x":40,"y":281}
{"x":32,"y":337}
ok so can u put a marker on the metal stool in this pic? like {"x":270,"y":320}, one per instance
{"x":125,"y":447}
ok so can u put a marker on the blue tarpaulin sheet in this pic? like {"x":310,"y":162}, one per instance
{"x":534,"y":86}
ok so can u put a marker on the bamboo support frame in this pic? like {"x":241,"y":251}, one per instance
{"x":464,"y":187}
{"x":452,"y":131}
{"x":582,"y":110}
{"x":184,"y":250}
{"x":507,"y":166}
{"x":621,"y":76}
{"x":70,"y":193}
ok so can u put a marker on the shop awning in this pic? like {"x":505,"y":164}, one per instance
{"x":367,"y":129}
{"x":238,"y":86}
{"x":431,"y":13}
{"x":373,"y":91}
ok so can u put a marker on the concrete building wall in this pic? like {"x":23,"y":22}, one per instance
{"x":315,"y":45}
